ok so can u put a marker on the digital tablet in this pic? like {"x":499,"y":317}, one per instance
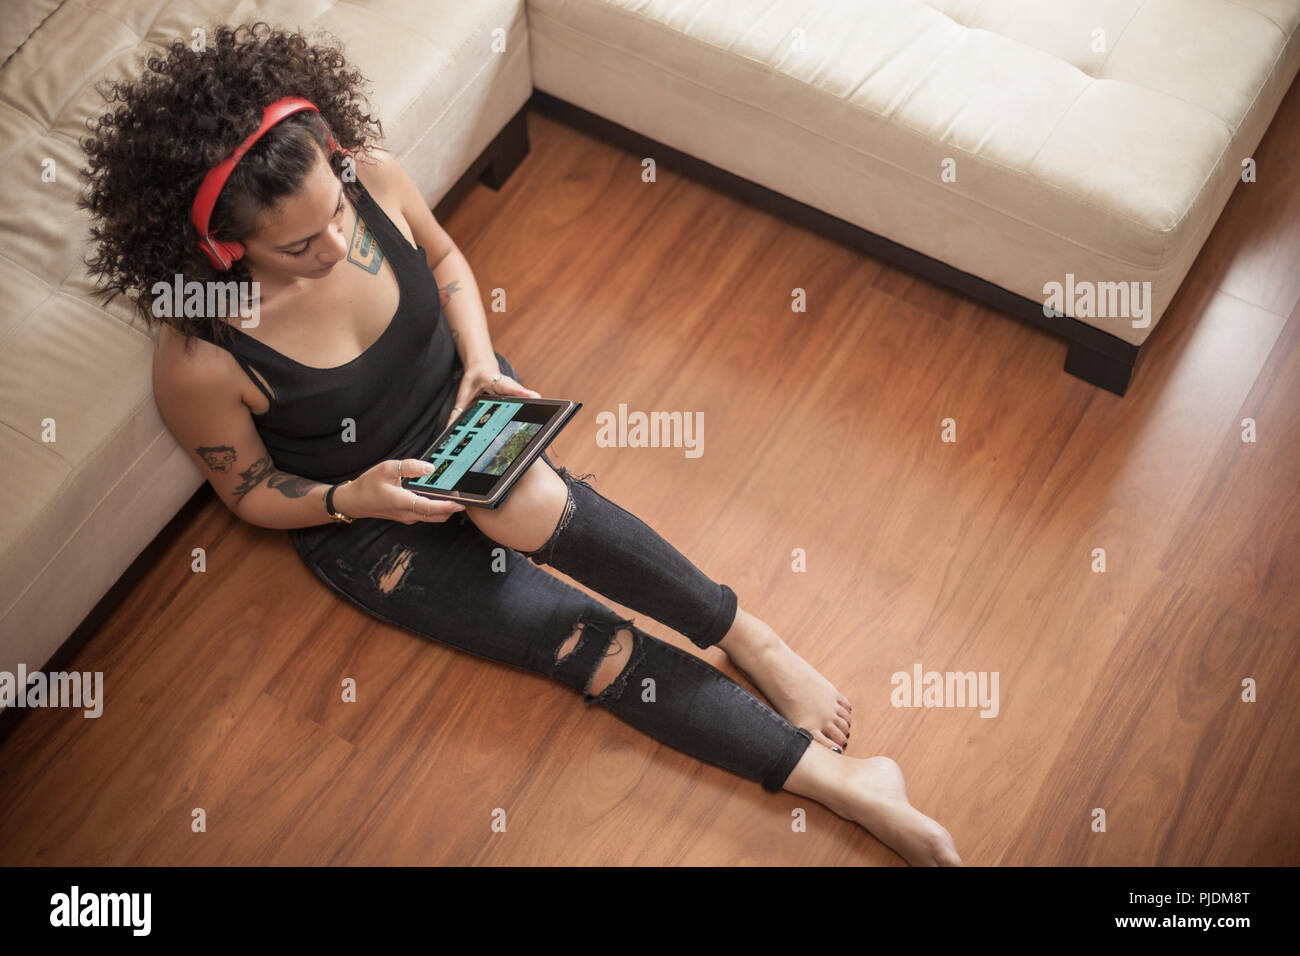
{"x":482,"y":453}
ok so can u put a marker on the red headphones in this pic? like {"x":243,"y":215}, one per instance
{"x":223,"y":254}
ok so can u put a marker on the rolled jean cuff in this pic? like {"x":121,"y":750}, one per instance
{"x":793,"y":753}
{"x":722,"y":621}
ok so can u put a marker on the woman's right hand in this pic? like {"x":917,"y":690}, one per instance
{"x":378,"y":493}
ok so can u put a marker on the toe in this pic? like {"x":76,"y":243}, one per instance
{"x":825,"y":741}
{"x":843,"y":724}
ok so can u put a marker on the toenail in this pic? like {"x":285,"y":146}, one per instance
{"x":837,"y":750}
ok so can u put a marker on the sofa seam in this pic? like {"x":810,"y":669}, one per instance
{"x":81,"y":524}
{"x":56,"y":8}
{"x":454,"y":100}
{"x":1124,"y":29}
{"x":1261,"y":13}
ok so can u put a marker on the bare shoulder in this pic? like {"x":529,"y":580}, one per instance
{"x":397,"y":193}
{"x":390,"y":186}
{"x":379,"y":170}
{"x":172,"y":353}
{"x":181,"y":366}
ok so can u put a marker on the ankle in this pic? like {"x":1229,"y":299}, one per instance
{"x":821,"y":775}
{"x":748,"y":637}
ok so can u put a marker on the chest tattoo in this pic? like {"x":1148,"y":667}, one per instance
{"x":364,"y":251}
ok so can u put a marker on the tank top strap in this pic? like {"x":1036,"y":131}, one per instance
{"x":236,"y":348}
{"x":391,"y":239}
{"x":257,"y":379}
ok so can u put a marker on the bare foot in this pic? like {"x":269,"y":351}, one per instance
{"x":794,"y":688}
{"x":872,"y":794}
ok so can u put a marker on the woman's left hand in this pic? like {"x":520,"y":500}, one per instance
{"x":478,"y":378}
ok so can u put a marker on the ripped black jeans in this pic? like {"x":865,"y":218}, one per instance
{"x":449,"y":582}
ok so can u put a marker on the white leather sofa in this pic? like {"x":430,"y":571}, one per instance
{"x":1092,"y":141}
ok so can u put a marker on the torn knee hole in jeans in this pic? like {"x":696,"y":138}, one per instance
{"x":563,"y":523}
{"x":564,"y":472}
{"x":610,"y":670}
{"x":542,"y":554}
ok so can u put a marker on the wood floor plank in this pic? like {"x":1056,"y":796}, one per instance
{"x":1240,"y":537}
{"x":1182,"y":767}
{"x":184,"y":659}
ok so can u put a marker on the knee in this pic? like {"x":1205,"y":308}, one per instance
{"x":535,"y":511}
{"x":617,"y":656}
{"x":607,"y":660}
{"x":549,"y":505}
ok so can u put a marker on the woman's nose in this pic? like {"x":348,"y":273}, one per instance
{"x":338,"y":246}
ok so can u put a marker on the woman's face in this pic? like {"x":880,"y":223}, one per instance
{"x":302,"y":237}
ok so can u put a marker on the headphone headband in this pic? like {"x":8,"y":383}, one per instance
{"x":206,"y":198}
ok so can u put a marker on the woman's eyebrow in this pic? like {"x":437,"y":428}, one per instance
{"x":314,"y":234}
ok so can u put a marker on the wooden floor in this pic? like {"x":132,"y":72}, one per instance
{"x":1118,"y":690}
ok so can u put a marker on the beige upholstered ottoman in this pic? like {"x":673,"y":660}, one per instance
{"x":1052,"y":155}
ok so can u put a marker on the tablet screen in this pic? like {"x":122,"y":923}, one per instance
{"x":484,"y":444}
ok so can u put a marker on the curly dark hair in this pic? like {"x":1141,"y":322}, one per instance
{"x":186,"y":113}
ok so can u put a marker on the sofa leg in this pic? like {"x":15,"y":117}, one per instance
{"x":1096,"y":368}
{"x":506,"y":151}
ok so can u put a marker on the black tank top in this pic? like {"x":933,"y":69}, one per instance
{"x":398,"y":392}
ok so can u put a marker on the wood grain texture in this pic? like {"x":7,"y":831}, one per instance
{"x":1118,"y":690}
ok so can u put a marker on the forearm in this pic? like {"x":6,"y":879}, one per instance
{"x":463,"y":306}
{"x":270,"y":498}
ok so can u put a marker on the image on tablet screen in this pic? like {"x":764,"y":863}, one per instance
{"x":490,"y":438}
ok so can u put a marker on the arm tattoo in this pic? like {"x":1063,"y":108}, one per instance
{"x":291,"y":486}
{"x":445,"y":293}
{"x":217,"y":457}
{"x":220,"y":458}
{"x":256,"y":473}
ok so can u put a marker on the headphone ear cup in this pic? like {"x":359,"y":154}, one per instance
{"x":231,"y":250}
{"x":221,"y":254}
{"x":207,"y":254}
